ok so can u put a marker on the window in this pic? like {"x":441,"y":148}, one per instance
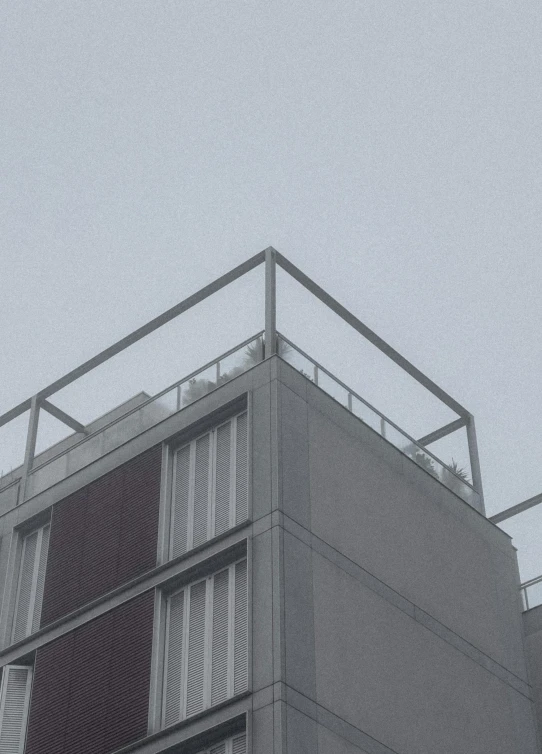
{"x":235,"y":745}
{"x":14,"y":700}
{"x":209,"y":486}
{"x":205,"y":644}
{"x":30,"y":583}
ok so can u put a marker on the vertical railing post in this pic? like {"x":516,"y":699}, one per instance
{"x":30,"y":448}
{"x":475,"y":461}
{"x":270,"y":302}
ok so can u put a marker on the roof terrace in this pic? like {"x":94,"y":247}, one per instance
{"x":84,"y":442}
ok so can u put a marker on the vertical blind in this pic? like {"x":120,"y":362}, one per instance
{"x":14,"y":699}
{"x":30,"y":583}
{"x":206,"y":644}
{"x":210,"y":486}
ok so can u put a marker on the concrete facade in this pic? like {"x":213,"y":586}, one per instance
{"x":384,"y":611}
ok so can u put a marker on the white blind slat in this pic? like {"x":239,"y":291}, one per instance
{"x":196,"y":649}
{"x":240,"y":664}
{"x":218,"y":749}
{"x":174,"y":659}
{"x":15,"y":694}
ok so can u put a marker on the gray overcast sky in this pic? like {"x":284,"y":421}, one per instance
{"x":390,"y":149}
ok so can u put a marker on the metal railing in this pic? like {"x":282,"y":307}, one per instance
{"x":147,"y":413}
{"x":26,"y":478}
{"x":375,"y":419}
{"x":531,"y":593}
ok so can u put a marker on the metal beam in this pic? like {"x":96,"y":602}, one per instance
{"x":371,"y":336}
{"x":154,"y":324}
{"x":475,"y":460}
{"x":515,"y":509}
{"x":438,"y":434}
{"x":270,"y":302}
{"x":13,"y":413}
{"x":31,"y":436}
{"x":63,"y":417}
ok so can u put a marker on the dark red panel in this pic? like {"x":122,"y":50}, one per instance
{"x":64,"y":557}
{"x":129,"y":681}
{"x":50,"y":697}
{"x":91,"y":687}
{"x":103,"y":535}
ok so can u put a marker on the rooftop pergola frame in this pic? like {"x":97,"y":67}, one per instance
{"x":270,"y":258}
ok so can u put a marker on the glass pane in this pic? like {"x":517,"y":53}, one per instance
{"x":400,"y":441}
{"x":366,"y":414}
{"x":534,"y":594}
{"x":332,"y":388}
{"x":169,"y":402}
{"x":12,"y":447}
{"x":239,"y":361}
{"x":198,"y":386}
{"x":453,"y":450}
{"x":296,"y":359}
{"x":525,"y":531}
{"x":456,"y":484}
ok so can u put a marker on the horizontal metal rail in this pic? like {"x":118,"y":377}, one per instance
{"x":371,"y":336}
{"x":62,"y":416}
{"x":152,"y":398}
{"x":136,"y":335}
{"x":372,"y":408}
{"x":525,"y":586}
{"x":438,"y":434}
{"x":515,"y":509}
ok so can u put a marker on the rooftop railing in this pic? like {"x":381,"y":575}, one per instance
{"x":531,"y":589}
{"x":87,"y":442}
{"x":375,"y":419}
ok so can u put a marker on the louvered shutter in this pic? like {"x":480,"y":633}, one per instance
{"x":223,"y":459}
{"x":241,"y":469}
{"x":41,"y":565}
{"x":236,"y":745}
{"x":239,"y":744}
{"x":219,"y":670}
{"x":196,"y":649}
{"x":180,"y":502}
{"x":240,"y":632}
{"x":201,"y":491}
{"x":205,"y":644}
{"x":210,"y":486}
{"x":24,"y":589}
{"x":30,"y":583}
{"x":14,"y":700}
{"x":173,"y":660}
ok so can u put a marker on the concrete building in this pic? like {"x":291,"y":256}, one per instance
{"x":247,"y":564}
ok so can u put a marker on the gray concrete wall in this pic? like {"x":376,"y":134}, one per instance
{"x":402,"y":612}
{"x":532,"y":621}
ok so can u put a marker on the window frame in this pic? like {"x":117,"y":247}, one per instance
{"x":192,"y":434}
{"x":13,"y":571}
{"x":184,"y":580}
{"x":26,"y":707}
